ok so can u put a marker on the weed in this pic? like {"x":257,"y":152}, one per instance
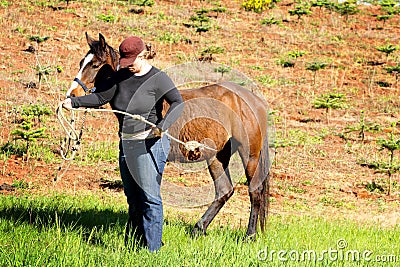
{"x":170,"y":38}
{"x":329,"y":201}
{"x":101,"y":151}
{"x":267,"y":80}
{"x":20,"y":184}
{"x":107,"y":17}
{"x":4,"y":3}
{"x":20,"y":30}
{"x":296,"y":54}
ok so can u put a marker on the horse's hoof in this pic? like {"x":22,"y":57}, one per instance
{"x":198,"y":231}
{"x":250,"y":238}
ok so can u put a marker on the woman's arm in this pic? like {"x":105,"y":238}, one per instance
{"x":94,"y":99}
{"x":174,"y":99}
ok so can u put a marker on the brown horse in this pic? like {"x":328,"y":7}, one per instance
{"x":224,"y":116}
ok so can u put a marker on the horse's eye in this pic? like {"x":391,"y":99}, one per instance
{"x":95,"y":66}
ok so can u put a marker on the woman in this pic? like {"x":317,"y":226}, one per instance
{"x":139,"y":88}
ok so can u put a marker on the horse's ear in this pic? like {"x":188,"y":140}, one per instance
{"x":102,"y":41}
{"x":89,"y":39}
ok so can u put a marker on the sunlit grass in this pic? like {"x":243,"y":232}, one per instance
{"x":87,"y":230}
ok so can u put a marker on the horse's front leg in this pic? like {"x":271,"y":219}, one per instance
{"x":223,"y":191}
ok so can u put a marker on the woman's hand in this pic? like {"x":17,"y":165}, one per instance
{"x":156,"y":132}
{"x":67,"y":103}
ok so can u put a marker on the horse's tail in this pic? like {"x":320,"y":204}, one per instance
{"x":264,"y":164}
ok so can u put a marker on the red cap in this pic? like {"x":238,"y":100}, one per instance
{"x":129,"y":49}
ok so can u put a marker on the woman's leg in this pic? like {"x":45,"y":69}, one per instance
{"x":146,"y":161}
{"x":134,"y":227}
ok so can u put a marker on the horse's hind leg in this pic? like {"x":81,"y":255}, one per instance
{"x":256,"y":202}
{"x":258,"y":190}
{"x":223,"y":191}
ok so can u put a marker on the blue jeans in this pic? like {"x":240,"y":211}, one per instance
{"x":141,"y":165}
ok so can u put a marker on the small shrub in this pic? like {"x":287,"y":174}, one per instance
{"x":142,"y":2}
{"x":271,"y":21}
{"x":257,"y":6}
{"x":38,"y":39}
{"x":347,"y":8}
{"x":321,"y":3}
{"x":9,"y":149}
{"x":374,"y":187}
{"x":314,"y":67}
{"x":296,"y":53}
{"x":384,"y":18}
{"x":387,"y":49}
{"x":200,"y":21}
{"x":207,"y":53}
{"x":287,"y":62}
{"x":330,"y":101}
{"x":390,"y":7}
{"x":300,"y":10}
{"x":223,"y":70}
{"x":389,"y":167}
{"x":394,"y":70}
{"x":28,"y":128}
{"x":361,"y":128}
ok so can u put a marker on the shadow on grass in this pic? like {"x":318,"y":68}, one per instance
{"x":49,"y":216}
{"x":52,"y":213}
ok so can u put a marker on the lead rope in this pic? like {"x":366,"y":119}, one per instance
{"x":72,"y":140}
{"x":70,"y":143}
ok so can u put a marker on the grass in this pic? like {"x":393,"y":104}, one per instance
{"x":87,"y":230}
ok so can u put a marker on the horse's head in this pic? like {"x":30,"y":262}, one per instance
{"x":99,"y":63}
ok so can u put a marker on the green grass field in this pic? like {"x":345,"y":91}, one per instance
{"x":87,"y":230}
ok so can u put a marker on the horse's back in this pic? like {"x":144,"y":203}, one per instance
{"x":234,"y":98}
{"x":216,"y":113}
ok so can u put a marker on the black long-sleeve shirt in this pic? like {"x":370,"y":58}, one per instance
{"x":142,"y":95}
